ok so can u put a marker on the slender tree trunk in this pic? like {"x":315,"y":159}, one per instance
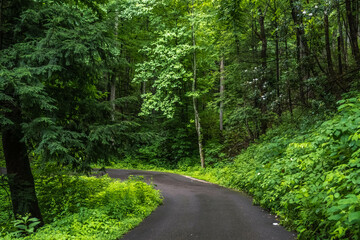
{"x":253,"y":37}
{"x":143,"y":87}
{"x":114,"y":77}
{"x":288,"y":83}
{"x":340,"y":40}
{"x":277,"y":60}
{"x":113,"y":96}
{"x":21,"y":181}
{"x":251,"y":134}
{"x":301,"y":50}
{"x":331,"y":71}
{"x":237,"y":41}
{"x":194,"y":86}
{"x":263,"y":56}
{"x":279,"y":111}
{"x":222,"y":88}
{"x":1,"y":23}
{"x":346,"y":41}
{"x":351,"y":12}
{"x":339,"y":55}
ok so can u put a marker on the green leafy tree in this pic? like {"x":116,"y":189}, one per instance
{"x":50,"y":102}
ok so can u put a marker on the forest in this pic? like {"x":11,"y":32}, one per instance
{"x":256,"y":95}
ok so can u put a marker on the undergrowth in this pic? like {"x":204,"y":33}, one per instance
{"x":83,"y":208}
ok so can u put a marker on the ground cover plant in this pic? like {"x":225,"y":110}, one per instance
{"x":80,"y":207}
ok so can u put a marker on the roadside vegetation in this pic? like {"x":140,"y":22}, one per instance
{"x":81,"y":208}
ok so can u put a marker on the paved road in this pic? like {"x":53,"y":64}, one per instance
{"x":202,"y":211}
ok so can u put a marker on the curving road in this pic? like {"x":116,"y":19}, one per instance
{"x":194,"y":209}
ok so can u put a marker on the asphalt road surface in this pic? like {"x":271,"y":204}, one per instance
{"x":194,"y":209}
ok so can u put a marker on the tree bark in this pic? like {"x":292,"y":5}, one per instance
{"x":114,"y":77}
{"x":143,"y":88}
{"x":351,"y":12}
{"x":222,"y":88}
{"x":346,"y":40}
{"x":340,"y":41}
{"x":302,"y":51}
{"x":21,"y":181}
{"x":263,"y":56}
{"x":331,"y":71}
{"x":277,"y":60}
{"x":113,"y":96}
{"x":1,"y":23}
{"x":194,"y":86}
{"x":288,"y":82}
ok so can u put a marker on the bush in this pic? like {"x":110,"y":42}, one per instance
{"x":91,"y":208}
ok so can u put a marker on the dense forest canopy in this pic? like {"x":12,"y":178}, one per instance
{"x":191,"y":81}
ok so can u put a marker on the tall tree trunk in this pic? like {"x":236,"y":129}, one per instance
{"x":340,"y":66}
{"x":330,"y":65}
{"x":1,"y":23}
{"x":20,"y":178}
{"x":222,"y":88}
{"x":340,"y":40}
{"x":288,"y":82}
{"x":263,"y":56}
{"x":277,"y":60}
{"x":351,"y":12}
{"x":302,"y":50}
{"x":346,"y":41}
{"x":113,"y":96}
{"x":21,"y":181}
{"x":237,"y":41}
{"x":194,"y":86}
{"x":143,"y":88}
{"x":114,"y":77}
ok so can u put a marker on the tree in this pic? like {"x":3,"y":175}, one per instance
{"x":222,"y":88}
{"x":351,"y":13}
{"x":49,"y":97}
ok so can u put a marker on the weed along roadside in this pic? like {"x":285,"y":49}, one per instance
{"x":80,"y":207}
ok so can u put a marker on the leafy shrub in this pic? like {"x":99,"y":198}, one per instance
{"x":79,"y":207}
{"x":6,"y":215}
{"x":25,"y":225}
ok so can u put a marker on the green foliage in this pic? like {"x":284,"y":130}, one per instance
{"x":166,"y":67}
{"x":88,"y":207}
{"x":6,"y":215}
{"x":25,"y":225}
{"x":2,"y":157}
